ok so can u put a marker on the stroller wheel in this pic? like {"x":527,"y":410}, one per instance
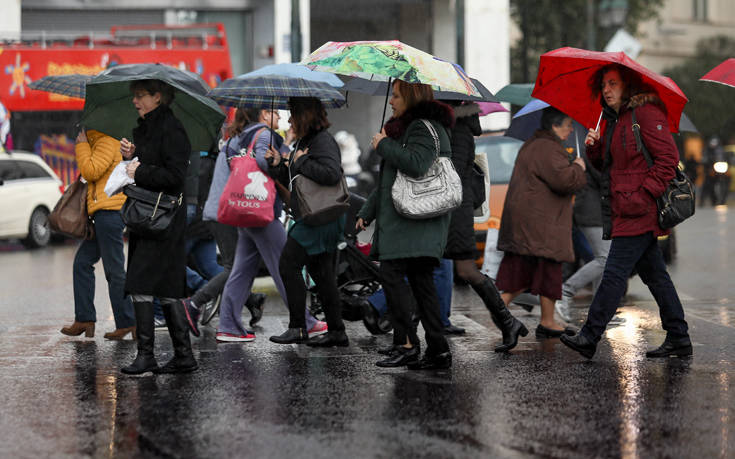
{"x":210,"y":308}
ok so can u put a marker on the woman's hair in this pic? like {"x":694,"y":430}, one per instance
{"x":413,"y":93}
{"x":632,"y":83}
{"x":238,"y":123}
{"x":154,"y":86}
{"x":307,"y":115}
{"x":552,"y":117}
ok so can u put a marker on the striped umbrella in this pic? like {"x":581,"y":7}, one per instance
{"x":72,"y":85}
{"x":272,"y":90}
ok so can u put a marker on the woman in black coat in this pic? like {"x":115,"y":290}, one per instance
{"x":461,"y":238}
{"x":157,"y":268}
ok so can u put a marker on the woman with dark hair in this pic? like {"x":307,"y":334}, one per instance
{"x":461,"y":240}
{"x":536,"y":225}
{"x":410,"y":248}
{"x":316,"y":156}
{"x":157,"y":267}
{"x":629,"y":190}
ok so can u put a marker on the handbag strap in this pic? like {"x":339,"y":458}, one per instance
{"x":251,"y":147}
{"x":434,"y":135}
{"x":639,"y":144}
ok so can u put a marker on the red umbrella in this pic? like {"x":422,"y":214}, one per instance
{"x":563,"y":82}
{"x":723,"y":73}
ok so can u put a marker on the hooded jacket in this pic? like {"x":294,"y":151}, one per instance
{"x":96,"y":158}
{"x":629,"y":188}
{"x":409,"y":148}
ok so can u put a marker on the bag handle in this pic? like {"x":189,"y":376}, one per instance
{"x":251,"y":147}
{"x":639,"y":145}
{"x":434,"y":135}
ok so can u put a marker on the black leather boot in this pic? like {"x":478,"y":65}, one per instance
{"x":254,"y":304}
{"x":145,"y":333}
{"x":672,"y":347}
{"x":502,"y":318}
{"x":178,"y":329}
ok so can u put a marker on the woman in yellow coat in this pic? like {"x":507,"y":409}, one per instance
{"x":97,"y":155}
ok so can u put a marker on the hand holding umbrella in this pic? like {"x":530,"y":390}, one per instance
{"x":377,"y":138}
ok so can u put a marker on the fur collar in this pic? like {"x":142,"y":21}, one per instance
{"x":644,"y":98}
{"x":430,"y":110}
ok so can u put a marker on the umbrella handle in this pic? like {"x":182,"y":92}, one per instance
{"x":597,"y":128}
{"x":385,"y":105}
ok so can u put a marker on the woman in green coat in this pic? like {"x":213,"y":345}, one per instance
{"x":409,"y":248}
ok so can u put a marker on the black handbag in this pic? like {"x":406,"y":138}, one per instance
{"x":149,"y":213}
{"x":677,"y":202}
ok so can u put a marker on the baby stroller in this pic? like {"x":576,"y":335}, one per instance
{"x":358,"y":277}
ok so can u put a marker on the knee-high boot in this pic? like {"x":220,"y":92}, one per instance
{"x":144,"y":361}
{"x":178,"y":329}
{"x":502,"y":318}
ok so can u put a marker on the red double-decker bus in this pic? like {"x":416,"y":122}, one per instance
{"x":45,"y":123}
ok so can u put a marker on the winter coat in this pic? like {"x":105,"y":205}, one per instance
{"x":461,"y":237}
{"x":96,"y":158}
{"x":322,"y":164}
{"x":537,"y":215}
{"x":629,"y":188}
{"x":409,"y":148}
{"x":587,"y":207}
{"x":158,"y":267}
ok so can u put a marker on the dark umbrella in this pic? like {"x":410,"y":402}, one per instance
{"x":72,"y":85}
{"x":274,"y":91}
{"x":109,"y":108}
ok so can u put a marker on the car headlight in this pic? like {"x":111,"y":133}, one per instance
{"x":720,"y":167}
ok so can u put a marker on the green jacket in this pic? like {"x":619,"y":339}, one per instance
{"x":396,"y":236}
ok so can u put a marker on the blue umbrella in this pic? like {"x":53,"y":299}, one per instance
{"x":295,"y":70}
{"x":273,"y":91}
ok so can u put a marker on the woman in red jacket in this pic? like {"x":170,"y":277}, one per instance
{"x":629,"y":189}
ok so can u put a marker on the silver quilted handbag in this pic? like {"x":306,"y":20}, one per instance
{"x":436,"y":193}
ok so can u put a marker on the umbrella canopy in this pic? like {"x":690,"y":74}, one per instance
{"x":487,"y":108}
{"x":109,"y":108}
{"x":515,"y":93}
{"x":72,"y":85}
{"x":273,"y":91}
{"x":723,"y":73}
{"x":379,"y":88}
{"x":686,"y":125}
{"x":563,"y":81}
{"x":386,"y":60}
{"x":296,"y":70}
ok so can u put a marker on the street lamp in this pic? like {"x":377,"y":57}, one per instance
{"x":612,"y":13}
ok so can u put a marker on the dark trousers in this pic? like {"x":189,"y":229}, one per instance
{"x":643,"y":253}
{"x":321,"y":269}
{"x":419,"y":272}
{"x":107,"y":245}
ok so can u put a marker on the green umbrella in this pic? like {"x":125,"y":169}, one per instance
{"x":516,"y":93}
{"x":109,"y":106}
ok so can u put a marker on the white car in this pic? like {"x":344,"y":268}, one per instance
{"x":29,"y":190}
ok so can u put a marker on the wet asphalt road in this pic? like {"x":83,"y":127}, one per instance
{"x":64,"y":397}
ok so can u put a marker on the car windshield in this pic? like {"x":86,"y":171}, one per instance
{"x":501,"y":155}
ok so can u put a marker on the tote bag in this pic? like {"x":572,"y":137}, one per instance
{"x":249,"y":195}
{"x":69,"y":216}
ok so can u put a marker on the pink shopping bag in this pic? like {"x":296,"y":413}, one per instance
{"x":248,"y":198}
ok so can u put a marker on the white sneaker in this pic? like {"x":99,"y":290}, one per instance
{"x":562,"y":308}
{"x":319,"y":328}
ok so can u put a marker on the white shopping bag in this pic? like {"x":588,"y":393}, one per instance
{"x":119,"y":178}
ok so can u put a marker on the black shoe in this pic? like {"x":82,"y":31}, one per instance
{"x":580,"y":343}
{"x":401,"y":356}
{"x":179,"y":364}
{"x":291,"y":336}
{"x":192,"y":316}
{"x":141,"y":364}
{"x":370,"y":318}
{"x":389,"y":350}
{"x":255,"y":304}
{"x":453,"y":330}
{"x":681,"y":347}
{"x":436,"y":362}
{"x":330,"y":339}
{"x":544,"y":333}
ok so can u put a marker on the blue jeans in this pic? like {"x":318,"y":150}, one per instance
{"x":108,"y":245}
{"x":643,"y":253}
{"x":204,"y":252}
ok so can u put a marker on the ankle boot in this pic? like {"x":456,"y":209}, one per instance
{"x":144,"y":336}
{"x":501,"y":316}
{"x":77,"y":328}
{"x":120,"y":333}
{"x":178,"y":329}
